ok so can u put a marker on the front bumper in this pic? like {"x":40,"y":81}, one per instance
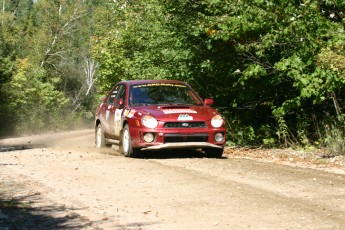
{"x":192,"y":145}
{"x":177,"y":138}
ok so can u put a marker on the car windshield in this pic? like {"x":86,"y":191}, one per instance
{"x":163,"y":94}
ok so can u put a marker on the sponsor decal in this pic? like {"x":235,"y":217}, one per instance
{"x":126,"y":112}
{"x":131,"y":113}
{"x":184,"y":117}
{"x":117,"y":117}
{"x":159,"y":84}
{"x":172,"y":111}
{"x":107,"y":114}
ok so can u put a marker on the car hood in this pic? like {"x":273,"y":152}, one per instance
{"x":178,"y":112}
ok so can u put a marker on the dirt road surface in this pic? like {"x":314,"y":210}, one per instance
{"x":59,"y":181}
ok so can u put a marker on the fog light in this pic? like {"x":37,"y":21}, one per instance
{"x":219,"y":137}
{"x":149,"y":137}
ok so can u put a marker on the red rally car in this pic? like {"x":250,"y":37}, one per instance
{"x":158,"y":114}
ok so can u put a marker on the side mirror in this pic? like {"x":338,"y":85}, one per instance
{"x":208,"y":101}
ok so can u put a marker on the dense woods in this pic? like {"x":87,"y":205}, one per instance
{"x":275,"y":68}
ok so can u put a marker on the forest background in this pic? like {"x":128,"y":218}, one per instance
{"x":274,"y":68}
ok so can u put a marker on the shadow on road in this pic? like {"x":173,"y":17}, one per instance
{"x":173,"y":153}
{"x":9,"y":148}
{"x":19,"y":213}
{"x":159,"y":154}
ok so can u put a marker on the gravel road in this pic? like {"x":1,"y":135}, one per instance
{"x":59,"y":181}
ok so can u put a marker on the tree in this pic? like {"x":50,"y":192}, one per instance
{"x":53,"y":37}
{"x":140,"y":45}
{"x":12,"y":26}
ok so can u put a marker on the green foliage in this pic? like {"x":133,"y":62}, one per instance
{"x":43,"y":54}
{"x":36,"y":100}
{"x":141,"y":45}
{"x":333,"y":140}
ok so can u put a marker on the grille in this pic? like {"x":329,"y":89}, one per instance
{"x":185,"y":125}
{"x":176,"y":138}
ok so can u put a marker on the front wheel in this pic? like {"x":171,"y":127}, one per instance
{"x":214,"y":152}
{"x":126,"y":144}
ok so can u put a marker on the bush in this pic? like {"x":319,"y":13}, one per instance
{"x":334,"y":141}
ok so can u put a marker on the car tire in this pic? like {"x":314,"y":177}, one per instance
{"x":126,"y":144}
{"x":99,"y":137}
{"x":214,"y":152}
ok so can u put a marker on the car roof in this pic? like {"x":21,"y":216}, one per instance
{"x":133,"y":82}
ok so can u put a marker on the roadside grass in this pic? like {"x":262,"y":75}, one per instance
{"x":308,"y":158}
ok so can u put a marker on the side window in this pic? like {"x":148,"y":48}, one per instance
{"x":113,"y":94}
{"x":121,"y":94}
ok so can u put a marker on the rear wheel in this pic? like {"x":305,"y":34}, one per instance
{"x":126,"y":144}
{"x":99,"y":137}
{"x":214,"y":152}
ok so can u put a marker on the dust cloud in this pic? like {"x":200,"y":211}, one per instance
{"x":80,"y":139}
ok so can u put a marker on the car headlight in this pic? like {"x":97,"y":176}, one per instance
{"x":149,"y":121}
{"x":217,"y":121}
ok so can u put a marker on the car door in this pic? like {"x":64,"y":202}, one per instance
{"x":116,"y":110}
{"x":105,"y":111}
